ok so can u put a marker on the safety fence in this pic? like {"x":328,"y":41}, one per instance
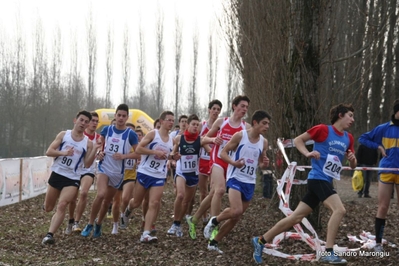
{"x":23,"y":178}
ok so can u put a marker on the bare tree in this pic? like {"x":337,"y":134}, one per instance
{"x":159,"y":34}
{"x":125,"y":65}
{"x":178,"y":57}
{"x":14,"y":91}
{"x":232,"y":89}
{"x":193,"y":94}
{"x":376,"y":73}
{"x":109,"y":65}
{"x":213,"y":63}
{"x":92,"y":58}
{"x":36,"y":94}
{"x":141,"y":67}
{"x":55,"y":104}
{"x":389,"y":91}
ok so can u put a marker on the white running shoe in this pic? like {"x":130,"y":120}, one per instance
{"x":172,"y":230}
{"x":115,"y":229}
{"x":148,"y":239}
{"x":68,"y":230}
{"x":76,"y":228}
{"x":179,"y":232}
{"x":215,"y":248}
{"x":209,"y":228}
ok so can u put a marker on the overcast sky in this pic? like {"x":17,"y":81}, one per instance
{"x":71,"y":16}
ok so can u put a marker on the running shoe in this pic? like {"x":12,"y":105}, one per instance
{"x":172,"y":230}
{"x":179,"y":232}
{"x":48,"y":239}
{"x":68,"y":230}
{"x":125,"y":217}
{"x":122,"y":224}
{"x":258,"y":247}
{"x":76,"y":228}
{"x":332,"y":258}
{"x":148,"y":239}
{"x":215,"y":231}
{"x":97,"y":230}
{"x":378,"y":248}
{"x":209,"y":228}
{"x":115,"y":229}
{"x":215,"y":248}
{"x":87,"y":230}
{"x":191,"y":228}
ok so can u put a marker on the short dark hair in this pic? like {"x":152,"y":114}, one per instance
{"x":122,"y":107}
{"x":192,"y":117}
{"x":164,"y":114}
{"x":93,"y":113}
{"x":85,"y":113}
{"x":181,"y":117}
{"x":238,"y":99}
{"x":342,"y":109}
{"x":139,"y":131}
{"x":130,"y":125}
{"x":155,"y":122}
{"x":213,"y":102}
{"x":259,"y":115}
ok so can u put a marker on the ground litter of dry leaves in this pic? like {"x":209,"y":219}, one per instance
{"x":23,"y":226}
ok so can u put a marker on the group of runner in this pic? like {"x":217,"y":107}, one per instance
{"x":132,"y":172}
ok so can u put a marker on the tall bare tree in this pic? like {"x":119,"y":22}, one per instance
{"x":160,"y":62}
{"x":212,"y":66}
{"x":15,"y":86}
{"x":125,"y":65}
{"x":141,"y":67}
{"x":389,"y":92}
{"x":178,"y":41}
{"x":193,"y":96}
{"x":36,"y":94}
{"x":92,"y":58}
{"x":109,"y":66}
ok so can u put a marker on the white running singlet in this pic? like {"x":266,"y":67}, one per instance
{"x":250,"y":152}
{"x":71,"y":166}
{"x":115,"y":143}
{"x":151,"y":165}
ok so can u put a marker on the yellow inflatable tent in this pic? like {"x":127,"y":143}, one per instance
{"x":136,"y":117}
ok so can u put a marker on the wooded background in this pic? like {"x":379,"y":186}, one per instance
{"x":295,"y":59}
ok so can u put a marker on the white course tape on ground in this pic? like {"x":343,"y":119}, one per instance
{"x":313,"y":241}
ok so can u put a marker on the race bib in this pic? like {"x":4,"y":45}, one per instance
{"x":189,"y":163}
{"x":333,"y":167}
{"x":230,"y":153}
{"x":130,"y":163}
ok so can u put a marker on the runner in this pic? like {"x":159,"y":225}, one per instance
{"x":71,"y":150}
{"x":125,"y":191}
{"x":86,"y":181}
{"x":188,"y":146}
{"x":118,"y":140}
{"x":223,"y":128}
{"x":385,"y":139}
{"x":332,"y":143}
{"x":249,"y":148}
{"x":214,"y":109}
{"x":155,"y":149}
